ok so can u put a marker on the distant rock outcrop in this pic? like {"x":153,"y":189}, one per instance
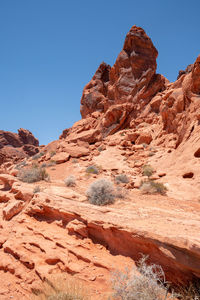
{"x":15,"y":146}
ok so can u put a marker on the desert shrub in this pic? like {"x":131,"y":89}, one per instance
{"x":190,"y":292}
{"x":148,"y":285}
{"x":70,"y":181}
{"x":146,"y":187}
{"x":121,"y":178}
{"x":21,"y":165}
{"x":153,"y":187}
{"x":33,"y":175}
{"x":37,"y":156}
{"x":60,"y":288}
{"x":120,"y":193}
{"x":159,"y":187}
{"x":92,"y":169}
{"x":101,"y":192}
{"x":35,"y":165}
{"x":147,"y":170}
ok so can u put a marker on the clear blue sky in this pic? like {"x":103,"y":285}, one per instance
{"x":49,"y":49}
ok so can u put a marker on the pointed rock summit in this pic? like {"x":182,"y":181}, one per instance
{"x":116,"y":95}
{"x":131,"y":94}
{"x":132,"y":77}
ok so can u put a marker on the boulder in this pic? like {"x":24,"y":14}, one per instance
{"x":75,"y":151}
{"x":61,"y":157}
{"x":144,"y":138}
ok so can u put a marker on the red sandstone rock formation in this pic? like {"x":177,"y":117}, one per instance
{"x":15,"y":146}
{"x":131,"y":94}
{"x":132,"y":78}
{"x":131,"y":117}
{"x":116,"y":95}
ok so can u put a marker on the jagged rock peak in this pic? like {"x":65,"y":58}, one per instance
{"x":137,"y":43}
{"x":132,"y":77}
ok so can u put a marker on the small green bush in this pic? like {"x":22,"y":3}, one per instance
{"x":121,"y":178}
{"x":153,"y":187}
{"x":70,"y":181}
{"x":147,"y":170}
{"x":159,"y":187}
{"x":92,"y":170}
{"x":33,"y":175}
{"x":101,"y":192}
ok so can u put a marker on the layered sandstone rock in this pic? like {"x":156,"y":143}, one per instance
{"x":56,"y":231}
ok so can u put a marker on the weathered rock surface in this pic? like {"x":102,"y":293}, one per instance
{"x":61,"y":157}
{"x":132,"y":77}
{"x":27,"y":137}
{"x":14,"y":147}
{"x":58,"y":231}
{"x":12,"y":209}
{"x":119,"y":93}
